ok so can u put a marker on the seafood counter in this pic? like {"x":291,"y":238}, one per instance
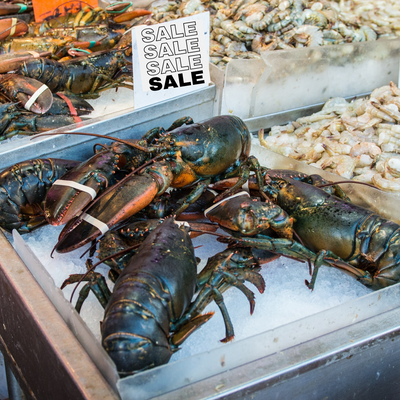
{"x":56,"y":51}
{"x":255,"y":231}
{"x":245,"y":29}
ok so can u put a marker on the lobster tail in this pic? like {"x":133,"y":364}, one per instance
{"x":152,"y":291}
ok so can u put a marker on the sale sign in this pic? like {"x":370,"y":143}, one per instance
{"x":170,"y":59}
{"x":56,"y":8}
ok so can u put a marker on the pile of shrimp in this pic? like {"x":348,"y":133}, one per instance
{"x":245,"y":28}
{"x":357,"y":140}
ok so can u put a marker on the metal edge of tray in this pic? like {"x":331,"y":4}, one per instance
{"x":122,"y":124}
{"x":43,"y":354}
{"x":358,"y":361}
{"x":284,"y":117}
{"x":270,"y":355}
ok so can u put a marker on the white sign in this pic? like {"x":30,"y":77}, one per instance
{"x":170,"y":59}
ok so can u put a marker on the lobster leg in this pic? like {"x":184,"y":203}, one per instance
{"x":111,"y":84}
{"x":193,"y":196}
{"x":286,"y":247}
{"x":328,"y":258}
{"x":218,"y":275}
{"x":250,"y":165}
{"x":292,"y":249}
{"x":96,"y":283}
{"x":179,"y":122}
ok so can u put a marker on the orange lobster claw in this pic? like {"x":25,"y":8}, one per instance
{"x":32,"y":94}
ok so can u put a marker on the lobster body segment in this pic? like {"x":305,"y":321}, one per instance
{"x":358,"y":236}
{"x":324,"y":221}
{"x":213,"y":147}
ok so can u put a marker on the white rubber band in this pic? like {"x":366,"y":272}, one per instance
{"x":101,"y":226}
{"x":13,"y":28}
{"x":33,"y":53}
{"x":227,"y":198}
{"x":34,"y":97}
{"x":215,"y":193}
{"x":76,"y":185}
{"x":180,"y":223}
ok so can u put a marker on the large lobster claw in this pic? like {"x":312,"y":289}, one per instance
{"x":119,"y":203}
{"x":75,"y":190}
{"x":10,"y":27}
{"x":250,"y":216}
{"x":32,"y":94}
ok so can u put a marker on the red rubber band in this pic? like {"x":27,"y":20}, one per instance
{"x":70,"y":106}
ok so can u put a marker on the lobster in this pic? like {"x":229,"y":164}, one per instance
{"x":32,"y":94}
{"x":86,"y":75}
{"x":65,"y":110}
{"x":150,"y":313}
{"x":198,"y":153}
{"x":23,"y":189}
{"x":333,"y":232}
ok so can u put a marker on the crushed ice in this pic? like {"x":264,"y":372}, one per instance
{"x":286,"y":297}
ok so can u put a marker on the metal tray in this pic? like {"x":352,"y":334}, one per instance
{"x":348,"y":351}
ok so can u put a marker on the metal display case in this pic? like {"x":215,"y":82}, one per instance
{"x":288,"y":79}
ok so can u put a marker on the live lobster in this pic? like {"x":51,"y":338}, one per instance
{"x":151,"y":312}
{"x":191,"y":155}
{"x":23,"y":189}
{"x":85,"y":75}
{"x":332,"y":231}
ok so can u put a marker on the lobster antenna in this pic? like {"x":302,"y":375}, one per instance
{"x":301,"y":242}
{"x":135,"y":145}
{"x":90,"y":248}
{"x":341,"y":182}
{"x":209,"y":233}
{"x":93,"y":267}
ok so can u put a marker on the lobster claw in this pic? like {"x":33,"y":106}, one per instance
{"x":10,"y":27}
{"x":75,"y":190}
{"x":32,"y":94}
{"x":119,"y":203}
